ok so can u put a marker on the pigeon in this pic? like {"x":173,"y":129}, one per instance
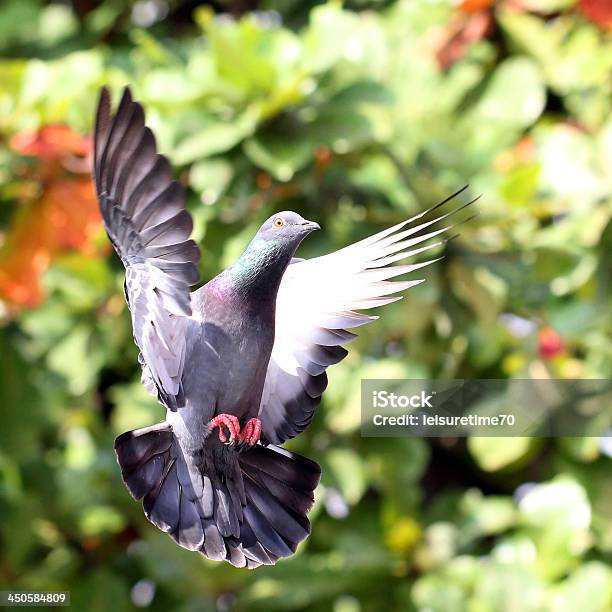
{"x":240,"y":363}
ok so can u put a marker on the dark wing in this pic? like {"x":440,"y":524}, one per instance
{"x":146,"y":220}
{"x":316,"y":305}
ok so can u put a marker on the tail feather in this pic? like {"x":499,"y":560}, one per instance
{"x":254,"y":551}
{"x":266,"y":535}
{"x":235,"y":556}
{"x":161,"y":505}
{"x":248,"y":509}
{"x":214,"y":545}
{"x":149,"y":442}
{"x":287,"y":524}
{"x":226,"y":514}
{"x":191,"y":533}
{"x":297,"y":501}
{"x":292,"y":469}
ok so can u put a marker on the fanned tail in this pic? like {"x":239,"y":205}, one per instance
{"x":248,"y":509}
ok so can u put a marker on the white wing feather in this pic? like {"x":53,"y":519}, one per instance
{"x":318,"y":301}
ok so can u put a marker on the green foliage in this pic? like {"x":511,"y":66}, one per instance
{"x":352,"y":118}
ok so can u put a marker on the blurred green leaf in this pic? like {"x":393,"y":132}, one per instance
{"x":211,"y":178}
{"x":23,"y":412}
{"x":494,"y":454}
{"x":213,"y":139}
{"x":348,"y":471}
{"x":281,"y":155}
{"x":78,"y":357}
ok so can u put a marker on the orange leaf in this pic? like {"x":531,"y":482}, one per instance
{"x":66,"y":217}
{"x":472,"y":6}
{"x":24,"y":256}
{"x":73,"y":214}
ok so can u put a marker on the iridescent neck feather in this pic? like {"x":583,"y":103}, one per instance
{"x":259,"y":270}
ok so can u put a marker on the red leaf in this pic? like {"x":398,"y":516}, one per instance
{"x":465,"y":28}
{"x":51,"y":142}
{"x":550,"y":343}
{"x":598,"y":11}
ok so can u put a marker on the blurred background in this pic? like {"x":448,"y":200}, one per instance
{"x":357,"y":115}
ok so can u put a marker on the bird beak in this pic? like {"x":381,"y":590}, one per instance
{"x":310,"y":225}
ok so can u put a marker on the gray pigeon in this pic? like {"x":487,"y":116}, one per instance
{"x":240,"y":364}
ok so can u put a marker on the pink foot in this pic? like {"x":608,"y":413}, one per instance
{"x":230,"y":422}
{"x":250,"y":432}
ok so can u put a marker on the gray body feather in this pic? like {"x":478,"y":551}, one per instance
{"x":230,"y":340}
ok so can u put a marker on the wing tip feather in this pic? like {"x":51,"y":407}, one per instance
{"x":445,"y":200}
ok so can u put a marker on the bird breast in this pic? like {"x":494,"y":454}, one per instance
{"x":228,"y":354}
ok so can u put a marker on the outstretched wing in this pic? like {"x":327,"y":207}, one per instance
{"x":316,"y":306}
{"x":145,"y":218}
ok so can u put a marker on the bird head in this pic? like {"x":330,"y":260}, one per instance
{"x":286,"y":230}
{"x":261,"y":266}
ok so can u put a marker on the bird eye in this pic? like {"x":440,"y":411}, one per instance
{"x":279,"y":222}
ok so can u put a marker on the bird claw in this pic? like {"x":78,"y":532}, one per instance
{"x":230,"y":422}
{"x":251,"y":432}
{"x":241,"y":438}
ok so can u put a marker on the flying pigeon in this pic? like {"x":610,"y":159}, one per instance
{"x":240,"y":363}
